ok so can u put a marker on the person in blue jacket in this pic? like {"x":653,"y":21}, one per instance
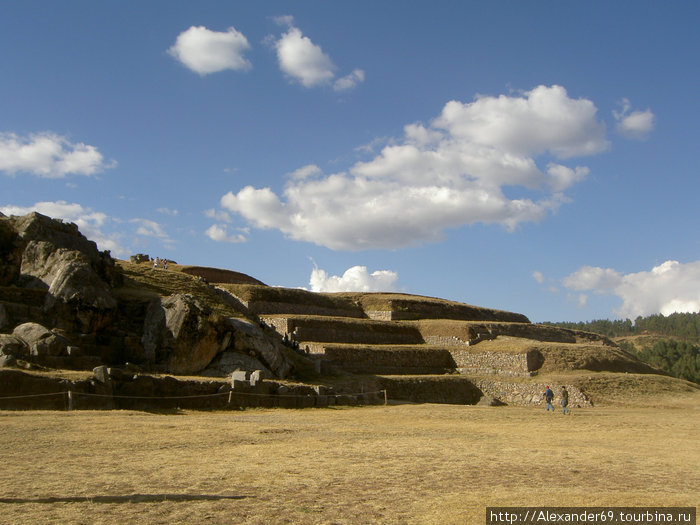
{"x":548,"y":396}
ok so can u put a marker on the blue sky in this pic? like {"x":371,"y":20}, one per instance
{"x":539,"y":157}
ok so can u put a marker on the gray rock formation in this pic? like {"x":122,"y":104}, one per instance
{"x":252,"y":339}
{"x":12,"y":345}
{"x":40,"y":252}
{"x":40,"y":340}
{"x":227,"y":362}
{"x":183,"y":333}
{"x":68,"y":275}
{"x":4,"y":318}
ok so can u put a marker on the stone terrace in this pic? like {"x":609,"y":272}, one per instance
{"x":399,"y":334}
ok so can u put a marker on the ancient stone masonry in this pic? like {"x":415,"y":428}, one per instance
{"x":385,"y":359}
{"x":333,"y":329}
{"x":521,"y":364}
{"x":128,"y":389}
{"x":522,"y":394}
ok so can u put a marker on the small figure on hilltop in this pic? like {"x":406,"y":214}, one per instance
{"x":156,"y":261}
{"x":564,"y":400}
{"x":548,"y":396}
{"x":165,"y":264}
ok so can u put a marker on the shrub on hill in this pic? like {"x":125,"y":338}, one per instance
{"x":679,"y":358}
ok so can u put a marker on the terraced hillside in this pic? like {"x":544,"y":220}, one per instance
{"x":66,"y":306}
{"x":428,"y":349}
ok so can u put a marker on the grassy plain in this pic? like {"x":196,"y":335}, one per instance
{"x":423,"y":464}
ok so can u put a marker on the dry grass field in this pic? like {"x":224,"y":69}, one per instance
{"x":425,"y":464}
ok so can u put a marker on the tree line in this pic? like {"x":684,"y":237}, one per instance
{"x":683,"y":326}
{"x":679,"y":355}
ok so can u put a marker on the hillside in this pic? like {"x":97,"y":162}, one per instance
{"x":140,"y":332}
{"x":670,"y":343}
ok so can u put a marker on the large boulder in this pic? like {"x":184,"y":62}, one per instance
{"x":227,"y":362}
{"x":40,"y":252}
{"x":40,"y":340}
{"x":9,"y":255}
{"x":184,"y":335}
{"x":266,"y":346}
{"x":67,"y":274}
{"x":13,"y":345}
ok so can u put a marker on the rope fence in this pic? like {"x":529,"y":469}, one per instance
{"x":71,"y":394}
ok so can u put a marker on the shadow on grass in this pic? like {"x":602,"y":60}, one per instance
{"x":130,"y":498}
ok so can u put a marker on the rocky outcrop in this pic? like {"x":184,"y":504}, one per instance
{"x":42,"y":253}
{"x":67,"y":274}
{"x":185,"y":335}
{"x":11,"y":345}
{"x":40,"y":340}
{"x":228,"y":362}
{"x":57,"y":299}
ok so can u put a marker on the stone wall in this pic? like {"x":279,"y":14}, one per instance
{"x":380,"y":315}
{"x":431,"y":389}
{"x":528,"y":394}
{"x":409,"y":308}
{"x":352,"y":331}
{"x":116,"y":388}
{"x":445,"y":340}
{"x":389,"y":361}
{"x":273,"y":308}
{"x":467,"y":361}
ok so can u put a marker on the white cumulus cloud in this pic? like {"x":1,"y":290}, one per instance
{"x":219,"y":233}
{"x":305,"y":62}
{"x":635,"y":124}
{"x":544,"y":119}
{"x":48,"y":155}
{"x":149,"y":228}
{"x":355,"y":279}
{"x":205,"y":51}
{"x":667,"y":288}
{"x":602,"y":280}
{"x":445,"y":175}
{"x":349,"y":81}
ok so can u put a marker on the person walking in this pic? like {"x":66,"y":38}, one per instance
{"x":565,"y":400}
{"x":548,"y":396}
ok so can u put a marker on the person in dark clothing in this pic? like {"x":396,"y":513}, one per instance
{"x":548,"y":396}
{"x":565,"y":400}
